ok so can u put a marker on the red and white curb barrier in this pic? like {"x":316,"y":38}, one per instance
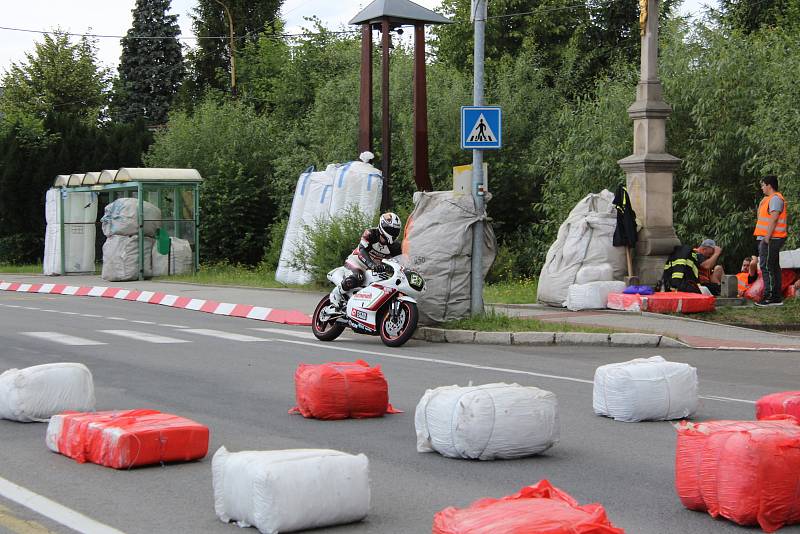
{"x":272,"y":315}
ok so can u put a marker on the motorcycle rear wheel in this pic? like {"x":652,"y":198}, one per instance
{"x":395,"y":333}
{"x":325,"y":330}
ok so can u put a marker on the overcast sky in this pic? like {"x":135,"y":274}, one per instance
{"x":113,"y":17}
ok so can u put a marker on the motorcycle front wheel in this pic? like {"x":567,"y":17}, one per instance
{"x":325,"y":330}
{"x":396,"y":331}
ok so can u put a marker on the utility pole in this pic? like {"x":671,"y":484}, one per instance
{"x":233,"y":46}
{"x":479,"y":12}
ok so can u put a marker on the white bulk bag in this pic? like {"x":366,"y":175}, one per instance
{"x":595,"y":273}
{"x":591,"y":296}
{"x":289,"y":490}
{"x":121,"y":217}
{"x":179,"y":260}
{"x":356,"y":184}
{"x":584,"y":239}
{"x":121,"y":258}
{"x":39,"y":392}
{"x":789,"y":259}
{"x":79,"y":216}
{"x":487,"y":422}
{"x":645,"y":389}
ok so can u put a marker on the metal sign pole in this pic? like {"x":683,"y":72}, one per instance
{"x":476,"y":304}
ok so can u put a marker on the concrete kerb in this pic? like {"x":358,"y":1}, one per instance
{"x":442,"y":335}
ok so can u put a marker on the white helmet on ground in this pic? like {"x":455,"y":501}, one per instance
{"x":389,"y":227}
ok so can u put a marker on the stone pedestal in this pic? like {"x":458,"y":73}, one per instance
{"x":650,"y":168}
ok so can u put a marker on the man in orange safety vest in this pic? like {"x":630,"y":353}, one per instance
{"x":771,"y":232}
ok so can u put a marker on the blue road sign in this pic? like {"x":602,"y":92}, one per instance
{"x":481,"y":127}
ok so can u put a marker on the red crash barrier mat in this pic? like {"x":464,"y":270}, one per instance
{"x":785,"y":402}
{"x":665,"y":302}
{"x":341,"y":390}
{"x":533,"y":510}
{"x":131,"y":438}
{"x":745,"y":471}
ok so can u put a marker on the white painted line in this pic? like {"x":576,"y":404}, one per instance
{"x":116,"y":318}
{"x":195,"y":304}
{"x":11,"y":306}
{"x":50,"y":311}
{"x":90,"y":315}
{"x":46,"y":288}
{"x":168,"y":300}
{"x":64,"y":339}
{"x":223,"y":335}
{"x":172,"y":325}
{"x":145,"y":296}
{"x":30,"y":308}
{"x":143,"y":322}
{"x":24,"y":287}
{"x":70,"y":313}
{"x":70,"y":290}
{"x":96,"y":291}
{"x":725,"y":399}
{"x":122,"y":294}
{"x":469,"y":365}
{"x":293,"y":333}
{"x":52,"y":510}
{"x":259,"y":313}
{"x":144,"y":336}
{"x":224,"y":308}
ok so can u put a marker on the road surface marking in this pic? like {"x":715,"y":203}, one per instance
{"x":172,"y":325}
{"x":91,"y":315}
{"x":143,"y":322}
{"x":144,"y":336}
{"x":116,"y":318}
{"x":476,"y":366}
{"x":64,"y":339}
{"x":223,"y":335}
{"x":52,"y":510}
{"x":295,"y":333}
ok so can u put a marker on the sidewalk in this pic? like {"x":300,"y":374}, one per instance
{"x":221,"y":299}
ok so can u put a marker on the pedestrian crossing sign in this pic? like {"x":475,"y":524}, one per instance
{"x":481,"y":127}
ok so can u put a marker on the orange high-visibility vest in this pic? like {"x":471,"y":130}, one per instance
{"x":763,"y":219}
{"x":742,"y":283}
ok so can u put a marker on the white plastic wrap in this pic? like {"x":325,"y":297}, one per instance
{"x":584,"y":239}
{"x":80,"y":216}
{"x":602,"y":272}
{"x":39,"y":392}
{"x":121,"y":217}
{"x":289,"y":490}
{"x":180,"y":259}
{"x":645,"y":389}
{"x":591,"y":296}
{"x":790,"y":259}
{"x":487,"y":422}
{"x":121,"y":258}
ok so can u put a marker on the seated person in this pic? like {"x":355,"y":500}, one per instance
{"x":747,"y":275}
{"x":709,"y":273}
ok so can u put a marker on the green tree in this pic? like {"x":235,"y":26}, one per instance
{"x":58,"y":77}
{"x":749,"y":15}
{"x":211,"y":59}
{"x":151,"y":69}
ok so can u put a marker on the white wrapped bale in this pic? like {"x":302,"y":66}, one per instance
{"x":487,"y":422}
{"x":645,"y":389}
{"x":180,"y":259}
{"x":121,"y":258}
{"x":591,"y":296}
{"x":121,"y":217}
{"x":289,"y":490}
{"x":789,"y":259}
{"x":39,"y":392}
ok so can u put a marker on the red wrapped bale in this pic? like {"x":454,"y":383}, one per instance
{"x":127,"y":438}
{"x":665,"y":302}
{"x":533,"y":510}
{"x":341,"y":390}
{"x":745,"y":471}
{"x":782,"y":403}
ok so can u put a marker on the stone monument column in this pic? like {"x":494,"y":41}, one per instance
{"x":650,"y":168}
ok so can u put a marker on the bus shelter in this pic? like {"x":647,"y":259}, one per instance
{"x":76,"y":200}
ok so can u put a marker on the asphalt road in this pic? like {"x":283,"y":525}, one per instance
{"x":242,"y":389}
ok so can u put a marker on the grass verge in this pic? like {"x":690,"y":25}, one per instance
{"x":514,"y":292}
{"x":754,"y":316}
{"x":496,"y":322}
{"x":21,"y":269}
{"x":224,"y":274}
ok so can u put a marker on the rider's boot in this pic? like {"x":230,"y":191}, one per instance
{"x":338,"y":299}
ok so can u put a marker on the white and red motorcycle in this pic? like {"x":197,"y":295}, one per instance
{"x":386,"y":306}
